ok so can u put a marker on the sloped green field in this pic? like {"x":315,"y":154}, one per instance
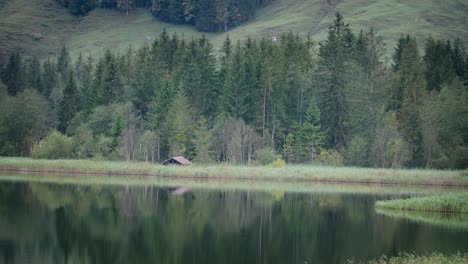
{"x":40,"y":26}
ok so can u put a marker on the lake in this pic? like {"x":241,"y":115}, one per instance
{"x":56,"y":223}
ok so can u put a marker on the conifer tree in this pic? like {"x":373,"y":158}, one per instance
{"x":206,"y":17}
{"x":13,"y":74}
{"x":180,"y":126}
{"x":202,"y":142}
{"x":235,"y":95}
{"x":111,"y":88}
{"x":34,"y":75}
{"x":334,"y":54}
{"x":67,"y":107}
{"x":459,"y":59}
{"x":411,"y":75}
{"x":64,"y":63}
{"x":49,"y":77}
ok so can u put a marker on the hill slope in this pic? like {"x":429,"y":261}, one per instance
{"x":41,"y":26}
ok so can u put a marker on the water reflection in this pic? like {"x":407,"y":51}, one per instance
{"x":45,"y":223}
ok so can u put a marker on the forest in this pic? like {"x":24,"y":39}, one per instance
{"x":205,"y":15}
{"x":337,"y":102}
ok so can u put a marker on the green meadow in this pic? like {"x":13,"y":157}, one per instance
{"x":299,"y":174}
{"x":42,"y":26}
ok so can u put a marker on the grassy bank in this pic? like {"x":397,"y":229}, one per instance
{"x":435,"y":258}
{"x":301,"y":174}
{"x":444,"y":203}
{"x":457,"y":221}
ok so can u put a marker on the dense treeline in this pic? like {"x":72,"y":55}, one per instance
{"x":205,"y":15}
{"x":256,"y":102}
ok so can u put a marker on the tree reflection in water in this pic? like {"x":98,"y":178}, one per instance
{"x":46,"y":223}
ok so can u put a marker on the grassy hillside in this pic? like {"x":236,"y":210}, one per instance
{"x":41,"y":26}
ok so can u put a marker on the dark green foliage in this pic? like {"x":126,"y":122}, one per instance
{"x":439,"y":64}
{"x":275,"y":96}
{"x":411,"y":76}
{"x":34,"y":74}
{"x":79,"y":7}
{"x":203,"y":143}
{"x":23,"y":121}
{"x":332,"y":70}
{"x":13,"y":74}
{"x":54,"y":146}
{"x":69,"y":105}
{"x":49,"y":77}
{"x":205,"y":15}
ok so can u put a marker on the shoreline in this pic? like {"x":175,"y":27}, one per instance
{"x":290,"y":174}
{"x":289,"y":179}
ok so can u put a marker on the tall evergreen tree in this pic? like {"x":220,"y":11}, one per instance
{"x":49,"y":77}
{"x":13,"y":74}
{"x":34,"y":75}
{"x":180,"y":126}
{"x":206,"y":17}
{"x":334,"y":55}
{"x":64,"y":63}
{"x":111,"y":88}
{"x":411,"y":75}
{"x":68,"y":106}
{"x":202,"y":141}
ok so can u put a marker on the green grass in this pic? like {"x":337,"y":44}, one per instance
{"x":380,"y":178}
{"x":41,"y":26}
{"x":434,"y":258}
{"x":457,"y":221}
{"x":440,"y":203}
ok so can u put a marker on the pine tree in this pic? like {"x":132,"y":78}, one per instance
{"x":180,"y":126}
{"x":206,"y":17}
{"x":49,"y":77}
{"x":459,"y":59}
{"x":13,"y":75}
{"x":235,"y":94}
{"x":313,"y":131}
{"x":111,"y":88}
{"x":64,"y":63}
{"x":402,"y":43}
{"x":202,"y":142}
{"x":411,"y":75}
{"x":67,"y":107}
{"x":334,"y":54}
{"x":34,"y":75}
{"x":288,"y":149}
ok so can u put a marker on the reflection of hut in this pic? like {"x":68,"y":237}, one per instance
{"x":177,"y":161}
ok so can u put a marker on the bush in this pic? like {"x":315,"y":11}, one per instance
{"x":266,"y":156}
{"x":460,"y":158}
{"x":55,"y":146}
{"x":279,"y":163}
{"x":331,"y":158}
{"x":356,"y":153}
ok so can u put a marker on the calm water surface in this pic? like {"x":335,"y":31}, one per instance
{"x":47,"y":223}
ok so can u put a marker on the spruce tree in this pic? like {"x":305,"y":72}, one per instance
{"x":49,"y":77}
{"x":411,"y":75}
{"x":206,"y":17}
{"x":67,"y":107}
{"x":34,"y":75}
{"x":202,"y":142}
{"x":64,"y":63}
{"x":334,"y":55}
{"x":111,"y":88}
{"x":13,"y":74}
{"x":179,"y":126}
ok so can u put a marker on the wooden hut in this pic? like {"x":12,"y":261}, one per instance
{"x":177,"y":161}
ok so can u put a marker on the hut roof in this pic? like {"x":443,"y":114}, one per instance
{"x":180,"y":160}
